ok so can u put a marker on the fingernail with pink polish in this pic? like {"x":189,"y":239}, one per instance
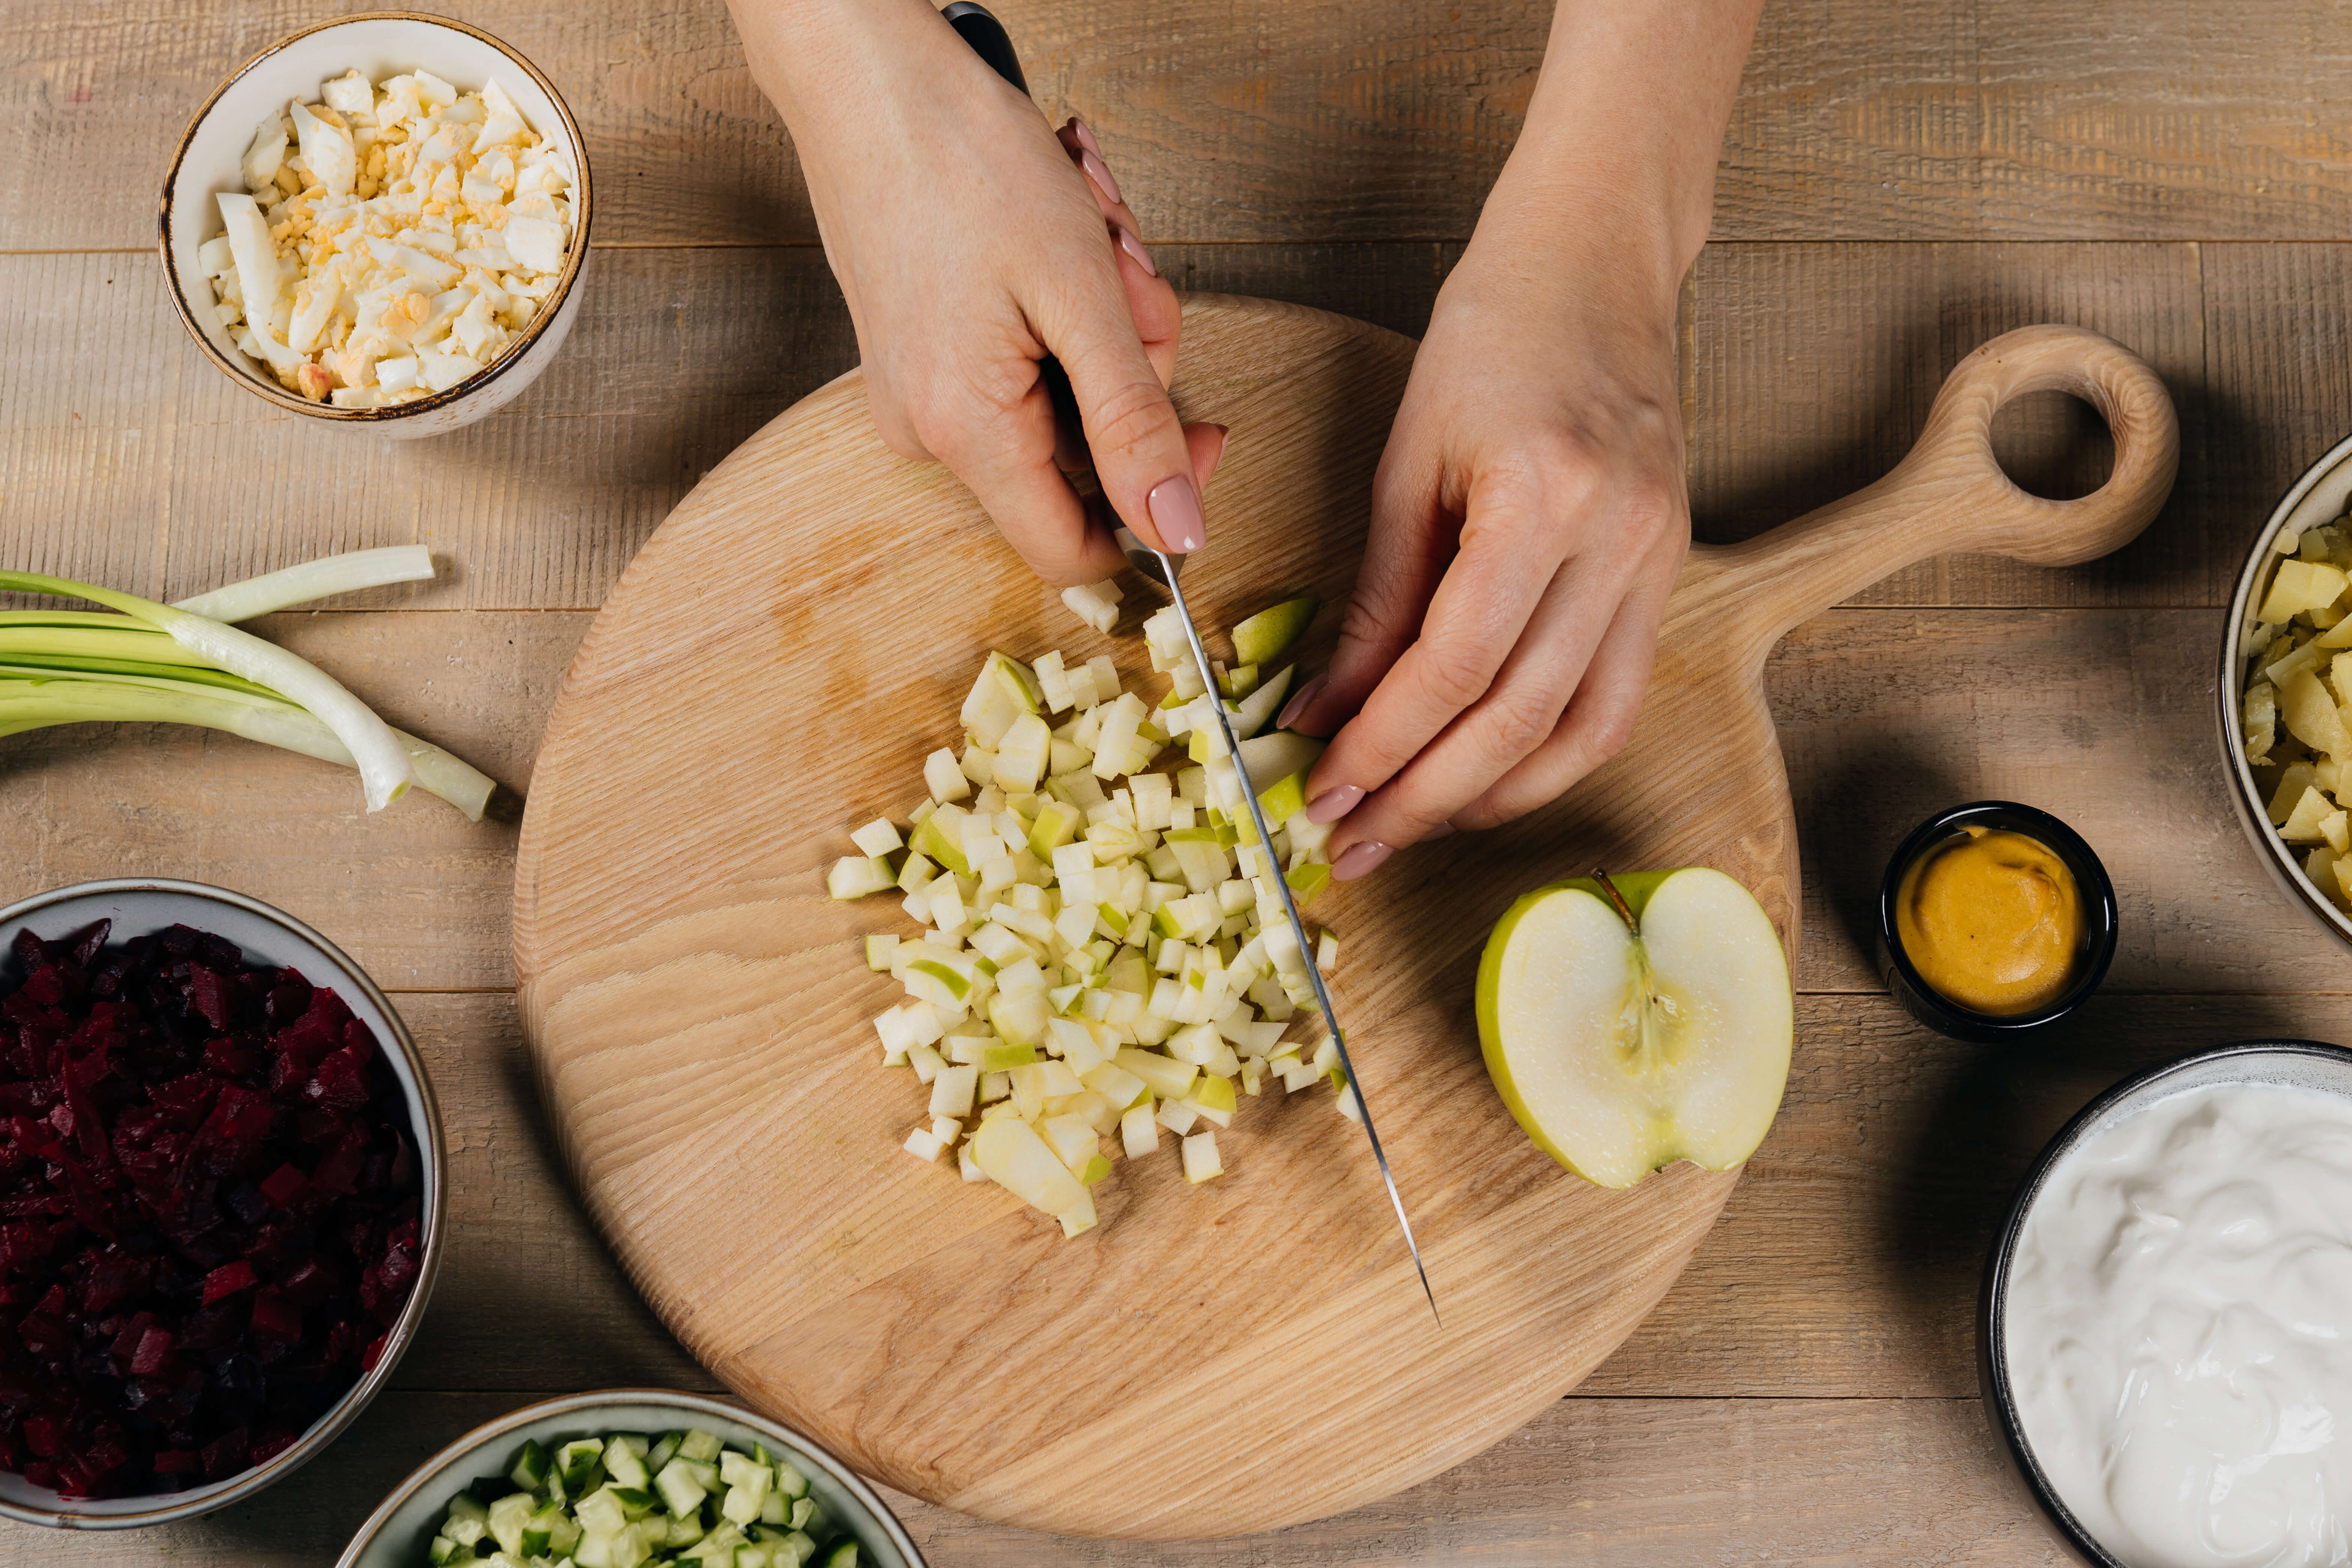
{"x":1359,"y":859}
{"x":1100,"y":172}
{"x":1333,"y":803}
{"x":1175,"y":508}
{"x":1085,"y":137}
{"x":1439,"y":831}
{"x":1300,"y":703}
{"x":1134,"y":247}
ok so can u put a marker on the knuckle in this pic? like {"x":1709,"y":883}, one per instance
{"x":1518,"y":723}
{"x":1129,"y":416}
{"x":1454,"y":675}
{"x":1612,"y":732}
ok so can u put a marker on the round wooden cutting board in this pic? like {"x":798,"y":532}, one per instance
{"x":1212,"y":1360}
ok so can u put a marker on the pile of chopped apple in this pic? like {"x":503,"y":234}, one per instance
{"x":1101,"y":952}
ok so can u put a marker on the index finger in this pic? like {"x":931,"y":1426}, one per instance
{"x":1507,"y":560}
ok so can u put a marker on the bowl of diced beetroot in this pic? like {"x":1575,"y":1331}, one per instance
{"x":221,"y":1199}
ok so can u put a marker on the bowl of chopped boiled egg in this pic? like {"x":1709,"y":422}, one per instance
{"x":381,"y":220}
{"x":2285,"y":692}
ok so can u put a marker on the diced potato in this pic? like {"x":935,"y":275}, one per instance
{"x":2298,"y":777}
{"x":2302,"y":824}
{"x":2310,"y":711}
{"x":2301,"y":585}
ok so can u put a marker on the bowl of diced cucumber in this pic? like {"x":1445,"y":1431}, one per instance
{"x":632,"y":1478}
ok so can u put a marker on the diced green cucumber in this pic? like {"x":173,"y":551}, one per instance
{"x":531,"y":1466}
{"x":790,"y":1481}
{"x":508,"y":1518}
{"x":574,"y":1460}
{"x":601,"y":1514}
{"x":681,"y":1491}
{"x":468,"y":1522}
{"x":844,"y":1555}
{"x":686,"y":1529}
{"x":635,"y":1501}
{"x":624,"y":1461}
{"x":747,"y":1487}
{"x":803,"y":1510}
{"x":445,"y":1550}
{"x":777,"y":1509}
{"x":699,"y":1446}
{"x":549,"y":1533}
{"x":664,"y":1451}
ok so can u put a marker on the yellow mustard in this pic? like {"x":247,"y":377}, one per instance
{"x":1991,"y":920}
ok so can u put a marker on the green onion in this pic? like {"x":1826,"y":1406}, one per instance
{"x":319,"y":579}
{"x":155,"y":663}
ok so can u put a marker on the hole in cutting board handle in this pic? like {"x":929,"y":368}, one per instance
{"x":2054,"y":445}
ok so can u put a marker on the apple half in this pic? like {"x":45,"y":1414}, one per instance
{"x":1631,"y":1022}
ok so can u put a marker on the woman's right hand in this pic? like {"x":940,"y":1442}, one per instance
{"x":972,"y":242}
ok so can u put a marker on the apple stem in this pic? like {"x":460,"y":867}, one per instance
{"x":1625,"y":911}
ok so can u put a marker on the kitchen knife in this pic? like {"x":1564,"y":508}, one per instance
{"x":978,"y":27}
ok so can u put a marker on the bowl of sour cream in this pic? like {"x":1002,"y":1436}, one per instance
{"x":2165,"y":1337}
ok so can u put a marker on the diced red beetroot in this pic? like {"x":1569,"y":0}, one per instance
{"x":155,"y":1353}
{"x":374,"y":1353}
{"x":340,"y":1081}
{"x":208,"y":994}
{"x":284,"y":1187}
{"x":275,"y":1317}
{"x":183,"y":1272}
{"x":228,"y":1453}
{"x":227,"y":1280}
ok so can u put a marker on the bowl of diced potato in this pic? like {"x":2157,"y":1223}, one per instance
{"x":380,"y":221}
{"x":2286,"y":693}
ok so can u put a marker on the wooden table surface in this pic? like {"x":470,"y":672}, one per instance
{"x":1901,"y":182}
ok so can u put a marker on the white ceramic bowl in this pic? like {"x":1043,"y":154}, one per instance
{"x":379,"y":43}
{"x":267,"y":936}
{"x":2294,"y":1064}
{"x":2320,"y":497}
{"x":397,"y":1534}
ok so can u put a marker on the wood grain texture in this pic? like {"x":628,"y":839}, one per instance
{"x":1273,"y":120}
{"x":1613,"y":1483}
{"x":686,"y":995}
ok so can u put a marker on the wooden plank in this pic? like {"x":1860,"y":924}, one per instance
{"x":169,"y":479}
{"x":416,"y":893}
{"x":528,"y":1298}
{"x":2101,"y":716}
{"x":1644,"y":1483}
{"x":1815,"y":365}
{"x":1262,"y":119}
{"x":1811,"y":369}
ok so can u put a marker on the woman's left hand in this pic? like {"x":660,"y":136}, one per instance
{"x":1528,"y":518}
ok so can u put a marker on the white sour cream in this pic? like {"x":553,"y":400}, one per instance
{"x":2179,"y":1330}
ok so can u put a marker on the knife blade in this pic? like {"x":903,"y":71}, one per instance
{"x":1164,"y":569}
{"x":988,"y":40}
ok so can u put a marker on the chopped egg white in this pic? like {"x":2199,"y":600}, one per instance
{"x":392,"y":239}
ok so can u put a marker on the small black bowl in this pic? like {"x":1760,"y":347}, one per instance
{"x":1921,"y":999}
{"x":2300,"y":1063}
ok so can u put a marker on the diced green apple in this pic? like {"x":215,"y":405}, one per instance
{"x":1268,"y":635}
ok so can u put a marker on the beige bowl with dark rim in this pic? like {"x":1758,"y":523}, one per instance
{"x":398,"y":1533}
{"x":2320,"y":496}
{"x":380,"y":44}
{"x":267,"y":935}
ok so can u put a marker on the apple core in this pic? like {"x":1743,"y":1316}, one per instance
{"x":1992,"y":922}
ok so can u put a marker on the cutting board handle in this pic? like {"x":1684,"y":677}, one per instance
{"x":1950,"y":493}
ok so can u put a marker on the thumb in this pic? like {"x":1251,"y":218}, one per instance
{"x":1139,"y":451}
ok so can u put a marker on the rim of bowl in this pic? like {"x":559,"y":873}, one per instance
{"x":2253,"y":810}
{"x":1993,"y":1304}
{"x":2070,"y":847}
{"x":344,"y":1410}
{"x":490,"y":1431}
{"x":270,"y":391}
